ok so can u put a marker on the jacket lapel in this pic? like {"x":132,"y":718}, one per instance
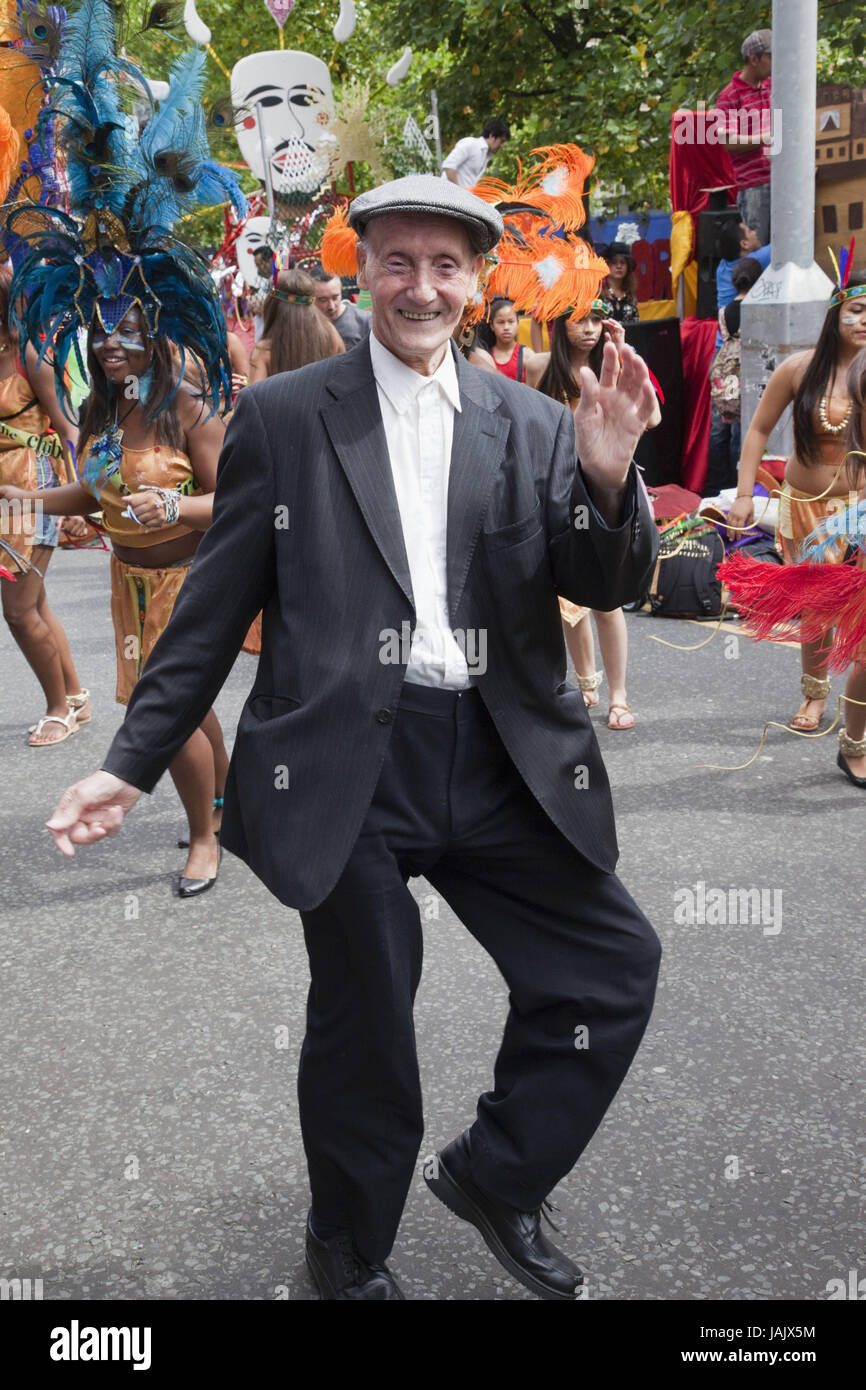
{"x":477,"y":451}
{"x":354,"y":424}
{"x":353,"y":421}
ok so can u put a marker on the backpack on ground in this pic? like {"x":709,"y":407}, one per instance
{"x":684,"y":582}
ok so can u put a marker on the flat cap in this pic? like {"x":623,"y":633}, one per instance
{"x":761,"y":41}
{"x":424,"y":193}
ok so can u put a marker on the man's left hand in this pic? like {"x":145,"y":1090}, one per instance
{"x":611,"y":415}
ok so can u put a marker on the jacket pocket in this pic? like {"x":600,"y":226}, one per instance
{"x":265,"y":707}
{"x":517,"y":531}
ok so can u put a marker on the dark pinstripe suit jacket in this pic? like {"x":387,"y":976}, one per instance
{"x":306,"y":526}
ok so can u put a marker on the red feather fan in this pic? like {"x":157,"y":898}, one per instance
{"x":818,"y":597}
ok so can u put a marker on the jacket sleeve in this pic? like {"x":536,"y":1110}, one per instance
{"x":231,"y":579}
{"x":594,"y":564}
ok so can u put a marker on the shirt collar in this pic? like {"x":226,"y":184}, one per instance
{"x":401,"y":384}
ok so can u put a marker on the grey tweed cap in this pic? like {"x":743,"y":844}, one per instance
{"x":425,"y":193}
{"x":761,"y":41}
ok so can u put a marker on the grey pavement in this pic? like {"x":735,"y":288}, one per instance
{"x":150,"y":1145}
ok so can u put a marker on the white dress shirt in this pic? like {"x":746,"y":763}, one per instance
{"x":418,"y":415}
{"x":468,"y":159}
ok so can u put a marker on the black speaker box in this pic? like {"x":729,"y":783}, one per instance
{"x":709,"y":253}
{"x":659,"y":452}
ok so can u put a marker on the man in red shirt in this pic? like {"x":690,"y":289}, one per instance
{"x":746,"y":100}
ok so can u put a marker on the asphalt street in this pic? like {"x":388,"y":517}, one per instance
{"x":150,"y":1145}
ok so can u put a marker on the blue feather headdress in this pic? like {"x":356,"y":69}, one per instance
{"x":127,"y":184}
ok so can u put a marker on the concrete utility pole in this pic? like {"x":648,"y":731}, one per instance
{"x":785,"y":309}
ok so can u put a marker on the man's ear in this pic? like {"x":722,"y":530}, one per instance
{"x":361,"y":258}
{"x":479,"y":266}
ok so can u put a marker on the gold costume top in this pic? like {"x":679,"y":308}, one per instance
{"x":16,"y":393}
{"x":158,"y":466}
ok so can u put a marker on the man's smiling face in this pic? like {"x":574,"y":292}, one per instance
{"x":420,"y":270}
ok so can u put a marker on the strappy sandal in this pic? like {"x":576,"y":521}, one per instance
{"x":813,"y":688}
{"x":80,"y":704}
{"x":589,"y":686}
{"x":70,"y":724}
{"x":615,"y":719}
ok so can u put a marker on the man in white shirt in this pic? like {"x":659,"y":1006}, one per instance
{"x":411,"y":716}
{"x":264,"y":259}
{"x":469,"y":157}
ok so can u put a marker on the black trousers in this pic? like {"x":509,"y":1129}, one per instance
{"x":575,"y":951}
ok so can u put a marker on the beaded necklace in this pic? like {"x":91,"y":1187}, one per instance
{"x":825,"y":423}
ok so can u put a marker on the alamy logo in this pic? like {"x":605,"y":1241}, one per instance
{"x":855,"y":1287}
{"x":715,"y":127}
{"x":20,"y":1290}
{"x":77,"y":1343}
{"x":396,"y":647}
{"x":20,"y":516}
{"x":713,"y":907}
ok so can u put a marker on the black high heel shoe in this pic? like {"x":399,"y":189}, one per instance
{"x":854,"y":748}
{"x":191,"y":887}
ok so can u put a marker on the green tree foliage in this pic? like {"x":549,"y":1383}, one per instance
{"x":604,"y":73}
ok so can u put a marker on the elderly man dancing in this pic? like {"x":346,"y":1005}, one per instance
{"x":406,"y":522}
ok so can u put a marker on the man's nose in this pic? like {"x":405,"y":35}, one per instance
{"x":423,"y":287}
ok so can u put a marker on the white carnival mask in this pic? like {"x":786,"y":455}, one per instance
{"x":292,"y":91}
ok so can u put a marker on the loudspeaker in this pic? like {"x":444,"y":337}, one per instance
{"x":659,"y":452}
{"x":709,"y":253}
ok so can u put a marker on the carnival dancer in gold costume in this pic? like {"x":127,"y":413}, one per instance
{"x":33,"y":432}
{"x":816,"y":486}
{"x":149,"y":437}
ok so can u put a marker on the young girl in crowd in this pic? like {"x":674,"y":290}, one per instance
{"x":816,"y":484}
{"x":510,"y":358}
{"x":29,"y":410}
{"x":574,"y":345}
{"x":152,"y":472}
{"x":294,"y":332}
{"x":618,"y":290}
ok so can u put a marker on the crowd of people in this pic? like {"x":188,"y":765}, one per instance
{"x":449,"y":458}
{"x":305,"y":317}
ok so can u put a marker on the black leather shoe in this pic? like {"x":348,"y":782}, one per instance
{"x":191,"y":887}
{"x":339,"y":1272}
{"x":842,"y":762}
{"x":514,"y":1237}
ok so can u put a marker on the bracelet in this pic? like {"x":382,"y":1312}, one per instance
{"x":746,"y":496}
{"x":171,"y":502}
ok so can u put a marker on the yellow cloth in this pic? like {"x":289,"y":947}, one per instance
{"x":799,"y":515}
{"x":681,"y":244}
{"x":18,"y":466}
{"x":141,"y":604}
{"x":657,"y":309}
{"x":690,"y":289}
{"x":524,"y":333}
{"x":159,"y":466}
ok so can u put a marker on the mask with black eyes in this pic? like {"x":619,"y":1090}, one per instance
{"x":291,"y":92}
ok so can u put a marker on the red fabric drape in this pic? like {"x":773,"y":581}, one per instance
{"x":696,"y":165}
{"x":698,"y":339}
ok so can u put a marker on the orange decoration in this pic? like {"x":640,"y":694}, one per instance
{"x":9,"y":146}
{"x":543,"y":271}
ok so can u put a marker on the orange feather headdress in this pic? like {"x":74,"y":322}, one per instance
{"x":9,"y":145}
{"x":539,"y":263}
